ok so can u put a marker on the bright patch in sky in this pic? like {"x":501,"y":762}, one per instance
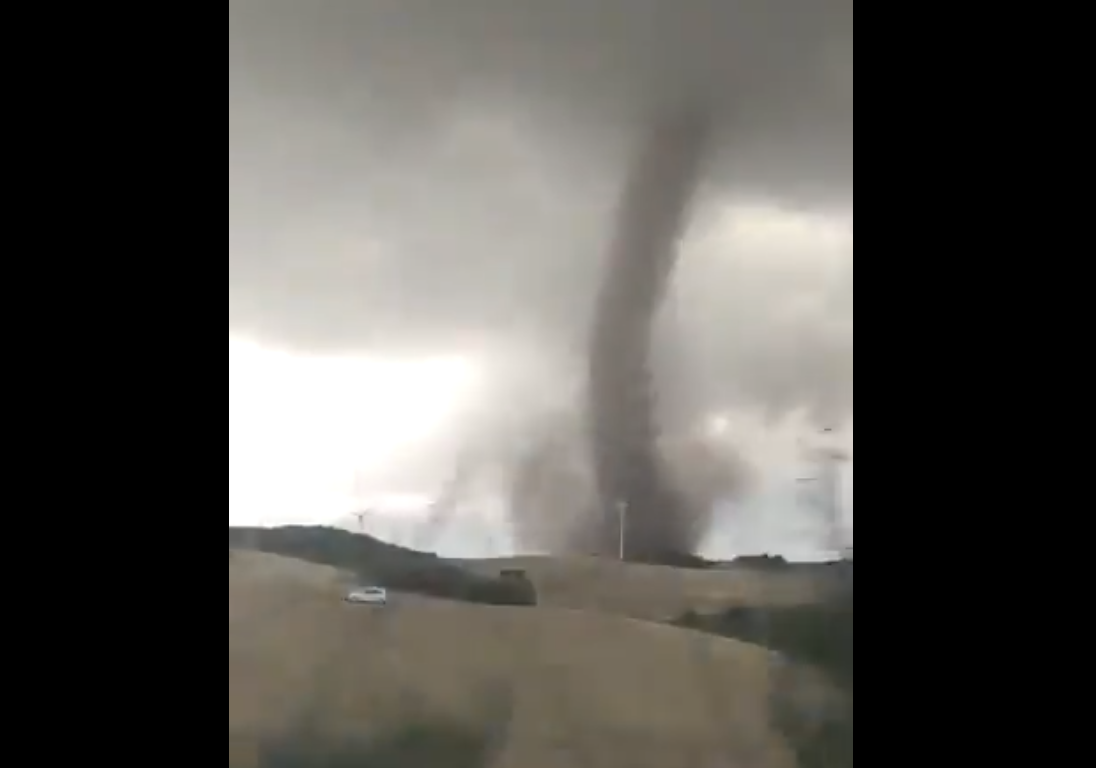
{"x":300,"y":427}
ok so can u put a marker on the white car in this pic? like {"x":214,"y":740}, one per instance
{"x":368,"y":596}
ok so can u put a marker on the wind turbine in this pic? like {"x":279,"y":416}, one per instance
{"x":361,"y":517}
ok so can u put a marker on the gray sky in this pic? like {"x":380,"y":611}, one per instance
{"x":418,"y":177}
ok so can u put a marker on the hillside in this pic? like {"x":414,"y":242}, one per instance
{"x":557,"y":687}
{"x":638,"y":591}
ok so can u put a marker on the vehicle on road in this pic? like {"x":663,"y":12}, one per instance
{"x":368,"y":596}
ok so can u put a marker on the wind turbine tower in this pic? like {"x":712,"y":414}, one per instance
{"x":830,"y":461}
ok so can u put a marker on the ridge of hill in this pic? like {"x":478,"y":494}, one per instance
{"x":656,"y":593}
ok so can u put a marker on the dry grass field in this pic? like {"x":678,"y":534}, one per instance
{"x":587,"y":688}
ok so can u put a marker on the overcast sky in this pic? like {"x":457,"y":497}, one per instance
{"x":420,"y":192}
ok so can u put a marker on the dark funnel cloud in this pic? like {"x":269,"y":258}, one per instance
{"x":415,"y":177}
{"x":632,"y":478}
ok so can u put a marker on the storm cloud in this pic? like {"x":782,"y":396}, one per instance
{"x":414,"y":177}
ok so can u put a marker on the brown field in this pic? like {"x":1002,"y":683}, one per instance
{"x":587,"y":688}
